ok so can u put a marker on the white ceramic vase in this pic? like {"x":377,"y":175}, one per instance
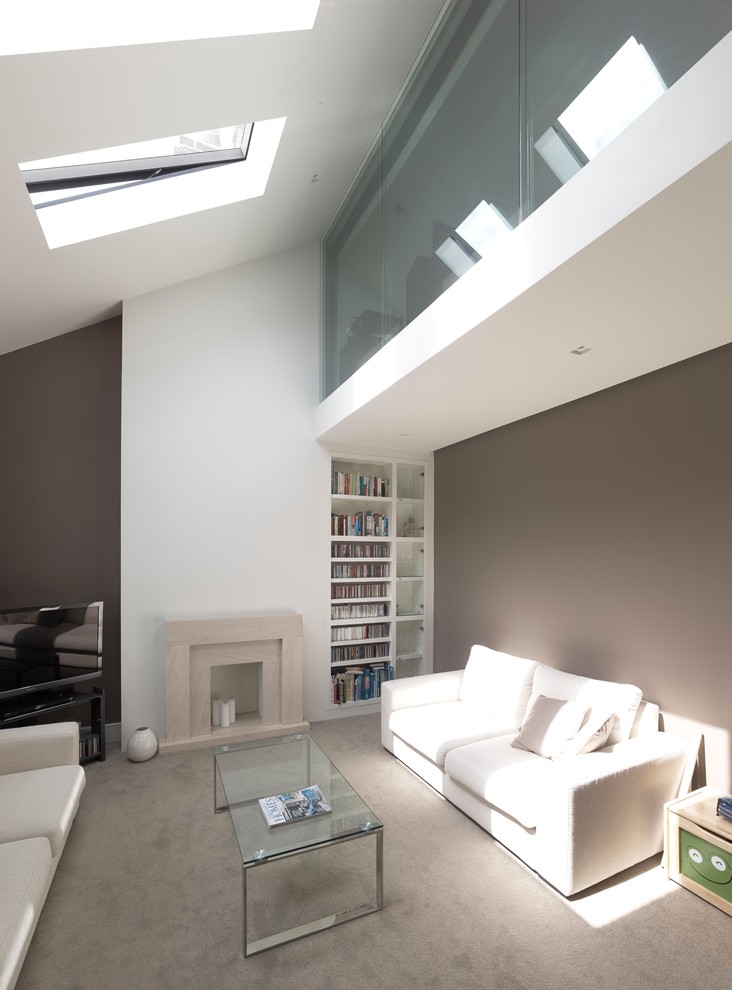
{"x":142,"y":745}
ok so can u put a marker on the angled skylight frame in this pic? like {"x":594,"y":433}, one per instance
{"x":85,"y":211}
{"x":59,"y":177}
{"x":127,"y":163}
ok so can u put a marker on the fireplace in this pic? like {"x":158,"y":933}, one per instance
{"x":258,"y":657}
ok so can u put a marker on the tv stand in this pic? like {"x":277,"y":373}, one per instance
{"x":29,"y":707}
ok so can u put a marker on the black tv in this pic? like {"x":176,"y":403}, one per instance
{"x":46,"y":649}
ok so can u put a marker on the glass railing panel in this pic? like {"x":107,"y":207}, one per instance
{"x":353,"y":261}
{"x":451,"y":158}
{"x":593,"y":67}
{"x":507,"y":102}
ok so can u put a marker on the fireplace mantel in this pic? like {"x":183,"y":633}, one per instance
{"x":194,"y":646}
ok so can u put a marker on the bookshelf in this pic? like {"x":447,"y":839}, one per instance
{"x":379,"y":573}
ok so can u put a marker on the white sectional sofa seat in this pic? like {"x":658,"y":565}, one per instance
{"x":438,"y":712}
{"x":41,"y":784}
{"x":576,"y":819}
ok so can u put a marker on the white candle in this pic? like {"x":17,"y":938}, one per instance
{"x":215,"y":711}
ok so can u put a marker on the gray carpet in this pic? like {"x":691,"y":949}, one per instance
{"x":148,"y":895}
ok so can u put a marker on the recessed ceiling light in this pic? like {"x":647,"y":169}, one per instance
{"x":405,"y":434}
{"x":582,"y":349}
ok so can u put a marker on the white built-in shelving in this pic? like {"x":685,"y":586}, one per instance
{"x":379,"y":593}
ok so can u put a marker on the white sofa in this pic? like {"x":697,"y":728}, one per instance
{"x":41,"y":784}
{"x":570,"y":773}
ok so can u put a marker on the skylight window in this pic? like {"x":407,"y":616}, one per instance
{"x":80,"y":197}
{"x":461,"y":250}
{"x":620,"y":92}
{"x":50,"y":26}
{"x":483,"y":225}
{"x":52,"y":180}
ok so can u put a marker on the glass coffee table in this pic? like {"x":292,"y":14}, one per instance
{"x":245,"y":772}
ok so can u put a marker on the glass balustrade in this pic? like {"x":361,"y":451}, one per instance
{"x":508,"y":100}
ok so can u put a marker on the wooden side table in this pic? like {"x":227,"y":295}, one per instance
{"x":698,"y":847}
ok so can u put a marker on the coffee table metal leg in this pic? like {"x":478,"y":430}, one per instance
{"x":218,"y":808}
{"x":244,"y":912}
{"x":379,"y":869}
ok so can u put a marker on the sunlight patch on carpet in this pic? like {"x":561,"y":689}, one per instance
{"x":623,"y":895}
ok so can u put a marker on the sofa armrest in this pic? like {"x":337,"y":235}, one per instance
{"x":409,"y":692}
{"x":609,"y":814}
{"x":32,"y":747}
{"x":637,"y":751}
{"x":426,"y":689}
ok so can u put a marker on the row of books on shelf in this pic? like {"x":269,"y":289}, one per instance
{"x":360,"y":683}
{"x":359,"y":570}
{"x":372,"y":630}
{"x":354,"y":483}
{"x":89,"y":744}
{"x":361,"y":651}
{"x":350,"y":550}
{"x":359,"y":524}
{"x":367,"y":590}
{"x":365,"y":610}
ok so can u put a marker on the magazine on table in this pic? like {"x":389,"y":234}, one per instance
{"x":294,"y":806}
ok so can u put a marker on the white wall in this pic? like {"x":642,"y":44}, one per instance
{"x":224,"y":490}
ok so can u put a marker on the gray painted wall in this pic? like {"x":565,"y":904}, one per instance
{"x":60,"y":485}
{"x":597,"y":537}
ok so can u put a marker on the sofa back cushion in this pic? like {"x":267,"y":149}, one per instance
{"x":602,"y":698}
{"x":498,"y":683}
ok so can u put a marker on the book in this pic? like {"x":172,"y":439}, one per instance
{"x":294,"y":806}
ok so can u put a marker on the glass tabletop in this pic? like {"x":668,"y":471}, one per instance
{"x":252,"y":770}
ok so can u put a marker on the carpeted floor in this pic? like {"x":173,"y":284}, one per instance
{"x":148,"y":895}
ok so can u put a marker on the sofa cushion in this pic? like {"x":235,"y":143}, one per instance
{"x":602,"y":698}
{"x":40,"y":803}
{"x":25,"y":868}
{"x":508,"y":777}
{"x":433,"y":730}
{"x":550,"y":725}
{"x":498,"y":683}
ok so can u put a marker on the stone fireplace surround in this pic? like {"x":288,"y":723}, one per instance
{"x":194,"y":646}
